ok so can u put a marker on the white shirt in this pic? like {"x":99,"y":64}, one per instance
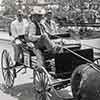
{"x":52,"y":28}
{"x":31,"y":31}
{"x":31,"y":28}
{"x":19,"y":28}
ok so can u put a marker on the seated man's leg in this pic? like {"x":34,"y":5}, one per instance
{"x":40,"y":58}
{"x":49,"y":45}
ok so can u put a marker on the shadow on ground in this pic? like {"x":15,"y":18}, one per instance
{"x":21,"y":92}
{"x":26,"y":92}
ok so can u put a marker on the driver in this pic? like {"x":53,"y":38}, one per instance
{"x":41,"y":40}
{"x":35,"y":35}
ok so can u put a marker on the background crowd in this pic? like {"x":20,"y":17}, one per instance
{"x":82,"y":16}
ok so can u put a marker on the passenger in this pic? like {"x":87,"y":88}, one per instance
{"x":18,"y":29}
{"x":49,"y":24}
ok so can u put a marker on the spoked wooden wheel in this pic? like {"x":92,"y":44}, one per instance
{"x":41,"y":86}
{"x":97,"y":61}
{"x":7,"y":70}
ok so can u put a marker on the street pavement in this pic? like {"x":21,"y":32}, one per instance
{"x":23,"y":83}
{"x":92,"y":43}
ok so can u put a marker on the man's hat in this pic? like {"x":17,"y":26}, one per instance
{"x":38,"y":11}
{"x":49,"y":12}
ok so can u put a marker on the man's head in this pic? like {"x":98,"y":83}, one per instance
{"x":20,"y":15}
{"x":49,"y":15}
{"x":35,"y":16}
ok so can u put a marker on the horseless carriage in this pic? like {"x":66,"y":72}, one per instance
{"x":63,"y":67}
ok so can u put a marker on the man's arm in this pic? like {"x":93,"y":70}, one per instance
{"x":13,"y":30}
{"x":32,"y":33}
{"x":54,"y":27}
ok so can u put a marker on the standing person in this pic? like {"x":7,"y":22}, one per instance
{"x":18,"y":29}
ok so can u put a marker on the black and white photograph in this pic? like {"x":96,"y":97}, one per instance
{"x":49,"y":50}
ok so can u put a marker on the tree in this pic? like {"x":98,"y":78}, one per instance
{"x":10,"y":7}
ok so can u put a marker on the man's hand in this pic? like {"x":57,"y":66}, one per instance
{"x":17,"y":41}
{"x":33,"y":38}
{"x":12,"y":38}
{"x":30,"y":44}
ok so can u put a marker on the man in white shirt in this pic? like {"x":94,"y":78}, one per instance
{"x":18,"y":28}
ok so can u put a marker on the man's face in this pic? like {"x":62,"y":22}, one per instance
{"x":38,"y":17}
{"x":20,"y":17}
{"x":49,"y":16}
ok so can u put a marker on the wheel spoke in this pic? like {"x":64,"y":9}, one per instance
{"x":48,"y":95}
{"x":43,"y":76}
{"x":40,"y":97}
{"x":9,"y":80}
{"x":46,"y":83}
{"x":7,"y":72}
{"x":42,"y":83}
{"x":4,"y":74}
{"x":38,"y":81}
{"x":38,"y":76}
{"x":11,"y":77}
{"x":43,"y":79}
{"x":4,"y":64}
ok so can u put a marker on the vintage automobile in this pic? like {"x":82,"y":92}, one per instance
{"x":60,"y":71}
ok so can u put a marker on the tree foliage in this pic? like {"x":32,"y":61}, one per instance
{"x":9,"y":7}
